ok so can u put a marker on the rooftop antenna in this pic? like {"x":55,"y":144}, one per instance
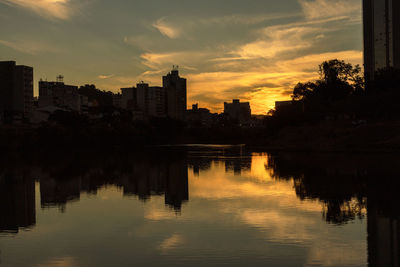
{"x":60,"y":78}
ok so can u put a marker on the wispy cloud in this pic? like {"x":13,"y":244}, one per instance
{"x":316,"y":9}
{"x":103,"y":77}
{"x":58,"y":9}
{"x":166,"y":60}
{"x":245,"y":19}
{"x":166,"y":29}
{"x":29,"y":47}
{"x":275,"y":40}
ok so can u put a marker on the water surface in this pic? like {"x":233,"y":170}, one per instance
{"x":199,"y":206}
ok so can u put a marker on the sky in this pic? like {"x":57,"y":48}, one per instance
{"x":254,"y":50}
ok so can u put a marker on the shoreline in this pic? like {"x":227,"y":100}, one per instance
{"x":374,"y":137}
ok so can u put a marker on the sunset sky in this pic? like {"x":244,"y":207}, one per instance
{"x":255,"y":50}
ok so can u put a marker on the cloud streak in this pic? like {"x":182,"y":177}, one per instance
{"x":166,"y":29}
{"x":53,"y":9}
{"x":317,"y":9}
{"x":29,"y":47}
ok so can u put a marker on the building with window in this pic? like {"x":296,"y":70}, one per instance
{"x":156,"y":102}
{"x":16,"y":91}
{"x":176,"y":92}
{"x":58,"y":94}
{"x":381,"y":35}
{"x":239,"y":112}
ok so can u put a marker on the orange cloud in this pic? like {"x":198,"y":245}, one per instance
{"x":58,"y":9}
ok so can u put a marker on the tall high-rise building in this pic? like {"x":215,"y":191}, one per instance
{"x":176,"y":92}
{"x":142,"y":97}
{"x":16,"y":90}
{"x":381,"y":35}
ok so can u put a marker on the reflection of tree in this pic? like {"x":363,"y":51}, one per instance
{"x":342,"y":192}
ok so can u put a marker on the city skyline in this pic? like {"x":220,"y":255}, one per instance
{"x":254,"y":52}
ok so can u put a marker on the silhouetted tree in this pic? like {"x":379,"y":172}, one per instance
{"x":387,"y":79}
{"x":338,"y":80}
{"x":103,"y":98}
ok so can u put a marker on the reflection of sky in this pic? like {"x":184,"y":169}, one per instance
{"x":249,"y":219}
{"x":227,"y":49}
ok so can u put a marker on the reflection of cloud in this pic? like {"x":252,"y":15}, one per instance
{"x":58,"y":9}
{"x":273,"y":210}
{"x":159,"y":215}
{"x":60,"y":262}
{"x":166,"y":29}
{"x":171,"y":243}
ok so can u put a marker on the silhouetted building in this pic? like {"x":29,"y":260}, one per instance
{"x":176,"y":91}
{"x":237,"y":111}
{"x":60,"y":95}
{"x":199,"y":116}
{"x":142,"y":97}
{"x":16,"y":90}
{"x":157,"y":106}
{"x":128,"y":98}
{"x":283,"y":104}
{"x":117,"y":100}
{"x":381,"y":35}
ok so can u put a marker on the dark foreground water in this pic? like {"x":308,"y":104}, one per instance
{"x":200,"y":206}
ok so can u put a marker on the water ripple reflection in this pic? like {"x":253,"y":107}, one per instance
{"x":194,"y":206}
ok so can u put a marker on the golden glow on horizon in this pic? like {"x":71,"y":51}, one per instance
{"x":270,"y":54}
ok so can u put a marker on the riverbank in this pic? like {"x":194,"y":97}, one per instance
{"x":337,"y":136}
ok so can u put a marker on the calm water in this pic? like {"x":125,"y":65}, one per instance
{"x":200,"y":206}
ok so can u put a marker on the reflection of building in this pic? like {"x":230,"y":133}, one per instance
{"x":60,"y":95}
{"x":54,"y":192}
{"x":237,"y":165}
{"x":200,"y":164}
{"x":381,"y":35}
{"x":17,"y":204}
{"x":165,"y":177}
{"x":238,"y":111}
{"x":177,"y":186}
{"x":383,"y":239}
{"x":16,"y":90}
{"x":175,"y":87}
{"x":147,"y":178}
